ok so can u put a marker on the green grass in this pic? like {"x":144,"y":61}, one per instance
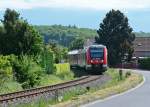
{"x":114,"y":74}
{"x":74,"y":93}
{"x":10,"y":86}
{"x":62,"y":74}
{"x":49,"y":80}
{"x":78,"y":95}
{"x":116,"y":85}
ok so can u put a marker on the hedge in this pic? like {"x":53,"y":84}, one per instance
{"x":144,"y":63}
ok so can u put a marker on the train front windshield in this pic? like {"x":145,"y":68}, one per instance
{"x":96,"y":52}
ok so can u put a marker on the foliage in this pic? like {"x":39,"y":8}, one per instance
{"x":127,"y":74}
{"x":56,"y":51}
{"x":5,"y":69}
{"x":59,"y":52}
{"x":64,"y":35}
{"x":17,"y":36}
{"x":116,"y":34}
{"x":78,"y":43}
{"x":64,"y":53}
{"x":47,"y":61}
{"x":27,"y":71}
{"x":63,"y":71}
{"x":10,"y":86}
{"x":47,"y":79}
{"x":142,"y":34}
{"x":115,"y":76}
{"x":144,"y":63}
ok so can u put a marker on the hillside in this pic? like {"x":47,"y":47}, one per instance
{"x":64,"y":35}
{"x":142,"y":34}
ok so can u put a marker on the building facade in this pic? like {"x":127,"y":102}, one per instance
{"x":141,"y":47}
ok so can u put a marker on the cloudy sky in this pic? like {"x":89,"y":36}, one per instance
{"x":83,"y":13}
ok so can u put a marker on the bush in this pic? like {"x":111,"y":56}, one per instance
{"x":47,"y":61}
{"x":144,"y":63}
{"x":27,"y":71}
{"x":5,"y":69}
{"x":127,"y":74}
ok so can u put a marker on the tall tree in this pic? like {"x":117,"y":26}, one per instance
{"x":18,"y":37}
{"x":116,"y":34}
{"x":77,"y":44}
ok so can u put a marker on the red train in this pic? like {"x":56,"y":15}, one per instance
{"x":91,"y":58}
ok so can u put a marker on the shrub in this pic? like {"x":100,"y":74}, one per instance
{"x":144,"y":63}
{"x":27,"y":71}
{"x":127,"y":74}
{"x":47,"y":61}
{"x":5,"y":68}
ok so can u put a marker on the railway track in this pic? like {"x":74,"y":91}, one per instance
{"x":10,"y":97}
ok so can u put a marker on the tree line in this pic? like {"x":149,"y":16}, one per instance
{"x":28,"y":51}
{"x":24,"y":56}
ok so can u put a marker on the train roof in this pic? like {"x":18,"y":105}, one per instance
{"x":73,"y":52}
{"x":97,"y":45}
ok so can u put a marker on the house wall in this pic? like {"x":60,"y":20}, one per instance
{"x":141,"y":54}
{"x":141,"y":47}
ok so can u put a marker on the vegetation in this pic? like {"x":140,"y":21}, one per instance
{"x":63,"y":71}
{"x":27,"y":71}
{"x":5,"y":69}
{"x":25,"y":60}
{"x":17,"y":36}
{"x":47,"y":61}
{"x":78,"y":96}
{"x":64,"y":35}
{"x":10,"y":86}
{"x":78,"y":43}
{"x":114,"y":86}
{"x":142,"y":34}
{"x":116,"y":34}
{"x":144,"y":63}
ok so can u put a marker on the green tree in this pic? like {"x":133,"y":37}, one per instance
{"x":116,"y":34}
{"x":27,"y":71}
{"x":48,"y":60}
{"x":77,"y":44}
{"x":18,"y":37}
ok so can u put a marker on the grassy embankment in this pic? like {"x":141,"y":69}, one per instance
{"x":62,"y":74}
{"x":77,"y":97}
{"x":115,"y":86}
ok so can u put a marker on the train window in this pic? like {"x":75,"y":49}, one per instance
{"x":96,"y":52}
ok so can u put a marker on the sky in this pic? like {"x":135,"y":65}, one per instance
{"x":82,"y":13}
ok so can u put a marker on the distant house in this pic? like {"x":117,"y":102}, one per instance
{"x":141,"y":47}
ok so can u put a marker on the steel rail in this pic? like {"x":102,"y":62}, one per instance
{"x":37,"y":91}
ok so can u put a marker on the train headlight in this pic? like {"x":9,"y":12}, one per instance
{"x":91,"y":61}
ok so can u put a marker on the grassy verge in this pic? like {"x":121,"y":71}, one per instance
{"x":115,"y":86}
{"x":10,"y":86}
{"x":62,"y":74}
{"x":78,"y":96}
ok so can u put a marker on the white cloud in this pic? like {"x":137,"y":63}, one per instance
{"x":76,"y":4}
